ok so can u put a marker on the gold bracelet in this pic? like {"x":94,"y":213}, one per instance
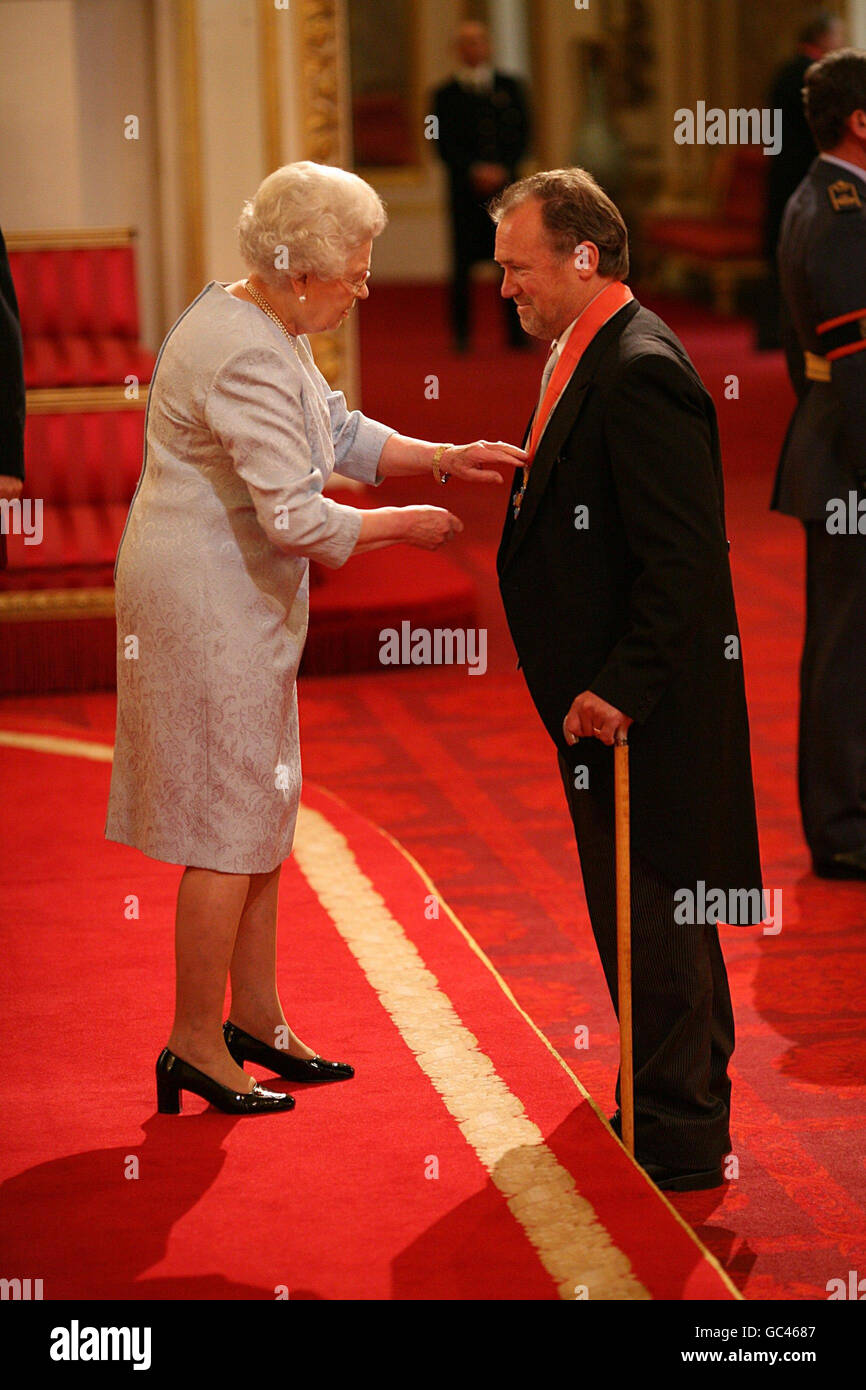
{"x":439,"y":474}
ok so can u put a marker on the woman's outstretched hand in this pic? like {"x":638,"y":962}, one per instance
{"x":477,"y":463}
{"x":424,"y":526}
{"x":429,"y":527}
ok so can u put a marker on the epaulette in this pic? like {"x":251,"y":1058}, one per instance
{"x":844,"y":196}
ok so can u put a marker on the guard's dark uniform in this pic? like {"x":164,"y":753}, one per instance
{"x":478,"y":126}
{"x":822,"y":270}
{"x":12,"y":393}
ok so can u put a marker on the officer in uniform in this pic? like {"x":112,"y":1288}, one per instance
{"x":483,"y":124}
{"x":12,"y":395}
{"x":821,"y":476}
{"x":820,"y":34}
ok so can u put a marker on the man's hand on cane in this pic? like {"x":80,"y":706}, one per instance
{"x":10,"y":488}
{"x":592,"y":717}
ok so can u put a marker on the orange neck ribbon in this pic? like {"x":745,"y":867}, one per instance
{"x":612,"y":298}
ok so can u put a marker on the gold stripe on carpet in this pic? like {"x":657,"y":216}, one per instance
{"x":49,"y":743}
{"x":560,"y":1060}
{"x":572,"y":1244}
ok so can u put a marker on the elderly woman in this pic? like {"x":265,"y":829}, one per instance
{"x":242,"y":432}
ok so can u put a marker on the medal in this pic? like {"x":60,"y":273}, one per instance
{"x":518,"y":496}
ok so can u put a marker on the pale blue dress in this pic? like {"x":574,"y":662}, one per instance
{"x":212,"y":589}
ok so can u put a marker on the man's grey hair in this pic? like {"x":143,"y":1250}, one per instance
{"x":317,"y":213}
{"x":573,"y":209}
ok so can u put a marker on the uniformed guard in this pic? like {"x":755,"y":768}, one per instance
{"x":822,"y":471}
{"x":483,"y":133}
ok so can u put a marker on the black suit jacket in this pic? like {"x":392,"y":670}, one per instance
{"x":638,"y":605}
{"x":480,"y":127}
{"x":822,"y":273}
{"x":11,"y":375}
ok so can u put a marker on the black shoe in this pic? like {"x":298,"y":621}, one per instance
{"x":683,"y":1179}
{"x":673,"y":1179}
{"x":174,"y":1075}
{"x":247,"y":1049}
{"x":850,"y":864}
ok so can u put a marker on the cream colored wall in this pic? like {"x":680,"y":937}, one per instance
{"x":414,"y":246}
{"x":71,"y":71}
{"x":114,"y":80}
{"x":40,"y":136}
{"x":557,"y":100}
{"x":168,"y":192}
{"x":230,"y":111}
{"x":857,"y":22}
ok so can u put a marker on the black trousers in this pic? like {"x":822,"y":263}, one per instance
{"x":682,"y":1020}
{"x":832,"y":745}
{"x":473,"y":237}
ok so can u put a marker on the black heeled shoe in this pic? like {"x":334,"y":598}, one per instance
{"x":245,"y":1048}
{"x":174,"y":1075}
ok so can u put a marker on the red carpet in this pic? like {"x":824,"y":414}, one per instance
{"x":460,"y":771}
{"x":461,"y":1162}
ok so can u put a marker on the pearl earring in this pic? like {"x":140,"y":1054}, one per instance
{"x":302,"y":298}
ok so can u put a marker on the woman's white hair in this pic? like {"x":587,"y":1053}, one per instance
{"x":307,"y":218}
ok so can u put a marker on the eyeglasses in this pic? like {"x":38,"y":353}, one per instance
{"x":356,"y":286}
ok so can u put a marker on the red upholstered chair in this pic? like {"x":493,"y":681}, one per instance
{"x":83,"y":466}
{"x":83,"y":445}
{"x":83,"y":452}
{"x":79,"y":308}
{"x":57,"y":629}
{"x":725,"y":244}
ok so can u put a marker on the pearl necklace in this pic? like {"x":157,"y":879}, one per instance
{"x":271,"y":313}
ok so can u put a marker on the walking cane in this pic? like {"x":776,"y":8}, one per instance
{"x":623,"y":937}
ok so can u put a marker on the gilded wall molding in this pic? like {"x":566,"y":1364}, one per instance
{"x":269,"y":39}
{"x":319,"y":23}
{"x":70,"y":239}
{"x":190,"y":145}
{"x":65,"y":400}
{"x":51,"y":605}
{"x":320,"y":40}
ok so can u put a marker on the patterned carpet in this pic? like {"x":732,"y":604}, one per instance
{"x":458,"y":768}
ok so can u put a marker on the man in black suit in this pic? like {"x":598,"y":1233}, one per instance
{"x":483,"y":132}
{"x":822,"y":32}
{"x":11,"y":393}
{"x":615,"y":577}
{"x":822,"y":470}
